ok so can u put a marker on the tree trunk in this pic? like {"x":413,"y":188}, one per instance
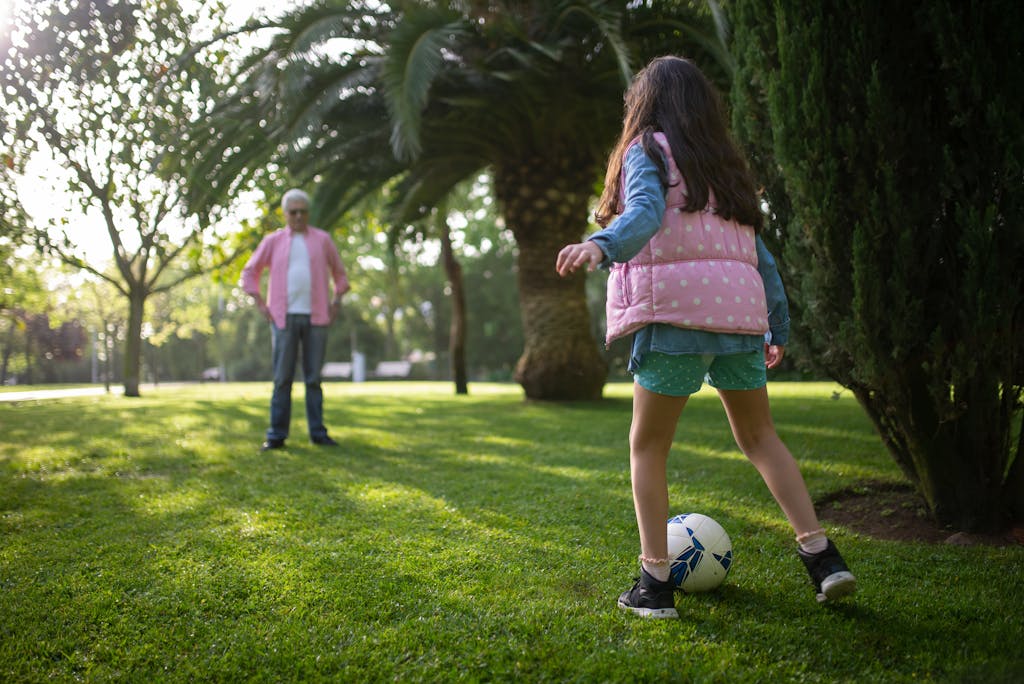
{"x":29,"y":379}
{"x":457,"y":333}
{"x":546,"y":208}
{"x":954,"y":461}
{"x":1014,"y":492}
{"x":133,"y":342}
{"x":108,"y":353}
{"x":7,"y":351}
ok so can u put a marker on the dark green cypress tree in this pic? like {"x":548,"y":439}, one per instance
{"x":890,"y":136}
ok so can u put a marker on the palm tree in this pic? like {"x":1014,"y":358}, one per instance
{"x":426,"y":94}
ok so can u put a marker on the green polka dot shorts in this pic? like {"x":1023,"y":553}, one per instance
{"x":680,"y":375}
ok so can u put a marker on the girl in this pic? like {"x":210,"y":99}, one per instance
{"x":695,"y":285}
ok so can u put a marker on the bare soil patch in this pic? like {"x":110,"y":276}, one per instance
{"x":885,"y":510}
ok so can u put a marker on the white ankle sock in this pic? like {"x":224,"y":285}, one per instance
{"x":814,"y":544}
{"x":657,"y":571}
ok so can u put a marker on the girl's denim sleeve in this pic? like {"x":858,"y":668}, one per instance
{"x":775,"y":295}
{"x":625,"y":236}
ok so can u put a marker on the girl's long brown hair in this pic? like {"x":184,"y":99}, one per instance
{"x":673,"y":96}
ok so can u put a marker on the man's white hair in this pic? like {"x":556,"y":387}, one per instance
{"x":293,"y":194}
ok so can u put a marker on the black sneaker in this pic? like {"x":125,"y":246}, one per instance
{"x":829,"y":574}
{"x":650,"y":598}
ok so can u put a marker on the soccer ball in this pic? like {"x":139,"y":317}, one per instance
{"x":700,"y":552}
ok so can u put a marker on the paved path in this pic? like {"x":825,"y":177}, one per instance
{"x":42,"y":394}
{"x":38,"y":395}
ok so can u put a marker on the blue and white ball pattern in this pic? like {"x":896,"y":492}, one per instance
{"x":700,"y":552}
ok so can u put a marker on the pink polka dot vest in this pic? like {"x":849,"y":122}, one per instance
{"x":698,"y":271}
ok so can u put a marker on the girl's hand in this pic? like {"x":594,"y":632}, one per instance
{"x":573,"y":256}
{"x":773,"y":354}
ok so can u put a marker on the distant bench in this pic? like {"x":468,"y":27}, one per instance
{"x":393,"y":369}
{"x":336,"y":369}
{"x":384,"y":370}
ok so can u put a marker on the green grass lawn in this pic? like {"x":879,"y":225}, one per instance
{"x":477,"y":538}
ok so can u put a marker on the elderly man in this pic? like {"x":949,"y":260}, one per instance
{"x":300,"y":306}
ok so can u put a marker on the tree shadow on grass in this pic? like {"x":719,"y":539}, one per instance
{"x":169,"y":509}
{"x":534,"y":467}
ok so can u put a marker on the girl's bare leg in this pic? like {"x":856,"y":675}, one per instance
{"x":650,"y":438}
{"x":754,"y":430}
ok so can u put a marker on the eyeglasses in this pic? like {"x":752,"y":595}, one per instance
{"x":298,"y":212}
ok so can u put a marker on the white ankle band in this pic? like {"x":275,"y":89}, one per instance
{"x":807,"y":536}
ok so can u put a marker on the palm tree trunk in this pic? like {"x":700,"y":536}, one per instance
{"x":546,"y":208}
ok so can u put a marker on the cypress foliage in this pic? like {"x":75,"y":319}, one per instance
{"x":891,"y":140}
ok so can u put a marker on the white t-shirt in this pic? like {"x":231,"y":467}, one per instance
{"x":299,"y":301}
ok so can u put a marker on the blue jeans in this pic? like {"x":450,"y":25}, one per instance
{"x":313,"y":339}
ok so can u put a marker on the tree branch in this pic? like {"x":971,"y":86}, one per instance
{"x":192,"y":274}
{"x":76,"y":262}
{"x":167,"y":258}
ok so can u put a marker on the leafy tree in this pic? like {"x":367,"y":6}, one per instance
{"x":898,"y":134}
{"x":101,"y":87}
{"x":17,"y":283}
{"x":51,"y":347}
{"x":95,"y":302}
{"x":400,"y":295}
{"x":41,"y":340}
{"x":494,"y":333}
{"x":181,"y":329}
{"x":246,"y":333}
{"x":23,"y":296}
{"x":431,"y":93}
{"x":474,"y":317}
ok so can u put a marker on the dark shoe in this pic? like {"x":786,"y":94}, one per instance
{"x":272,"y":444}
{"x":323,"y":441}
{"x":650,"y":598}
{"x":829,"y":574}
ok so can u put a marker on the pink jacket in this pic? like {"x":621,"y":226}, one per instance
{"x":323,"y":261}
{"x":698,"y":271}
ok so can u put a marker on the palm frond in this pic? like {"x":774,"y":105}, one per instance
{"x":350,"y":159}
{"x":321,"y":25}
{"x":697,"y":30}
{"x":608,"y":21}
{"x":721,"y":21}
{"x":417,"y":51}
{"x":422,"y":84}
{"x":713,"y":44}
{"x":322,"y":87}
{"x":427,"y":184}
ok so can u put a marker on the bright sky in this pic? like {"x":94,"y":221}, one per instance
{"x":40,"y":188}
